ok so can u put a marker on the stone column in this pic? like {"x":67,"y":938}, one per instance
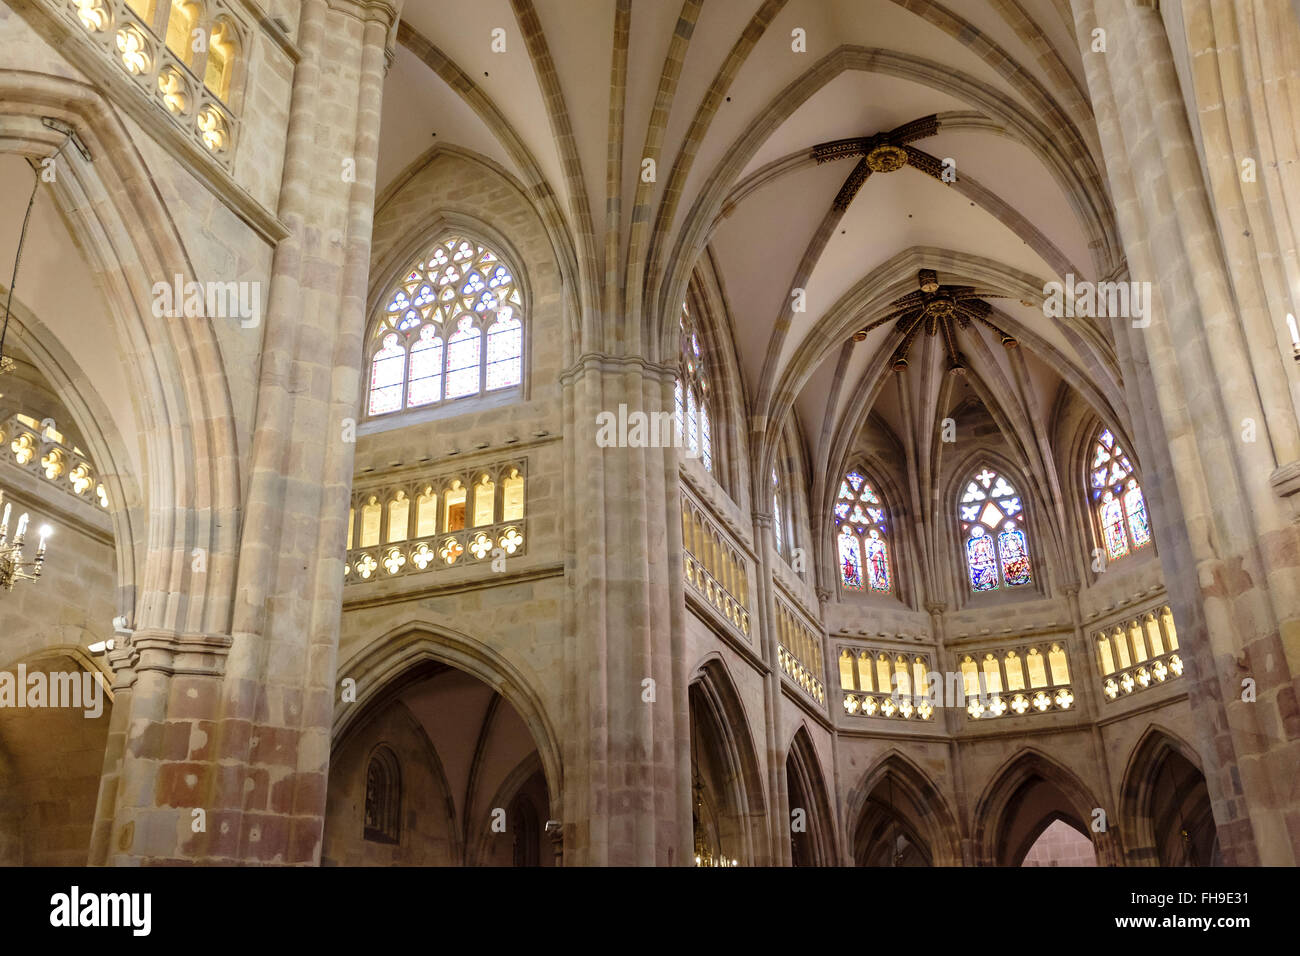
{"x":627,"y":775}
{"x":1231,"y":563}
{"x":237,"y":725}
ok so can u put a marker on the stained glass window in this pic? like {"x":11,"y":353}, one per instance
{"x":451,"y":328}
{"x":862,"y":525}
{"x":1117,"y":499}
{"x":992,"y":525}
{"x":692,"y":393}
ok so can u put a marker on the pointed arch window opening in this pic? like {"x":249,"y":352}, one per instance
{"x":994,"y":541}
{"x":1116,"y":496}
{"x":452,"y":328}
{"x":862,"y":536}
{"x":691,"y":404}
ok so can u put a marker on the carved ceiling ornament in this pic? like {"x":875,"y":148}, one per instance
{"x":936,"y":309}
{"x":881,"y":153}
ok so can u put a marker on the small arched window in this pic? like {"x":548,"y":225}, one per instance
{"x":1117,"y":501}
{"x":452,"y":328}
{"x":994,"y":542}
{"x":862,"y":537}
{"x":691,"y":404}
{"x":383,"y":797}
{"x":223,"y":48}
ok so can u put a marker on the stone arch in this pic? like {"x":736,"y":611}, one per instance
{"x":105,"y":444}
{"x":420,"y":205}
{"x":185,"y":414}
{"x":401,"y":657}
{"x":1164,"y":787}
{"x":1091,"y":374}
{"x":1082,"y":185}
{"x":806,"y":785}
{"x":726,"y":748}
{"x":1028,"y":793}
{"x":896,"y":792}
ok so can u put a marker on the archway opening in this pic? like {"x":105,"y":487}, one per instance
{"x":1182,"y":820}
{"x":719,"y":811}
{"x":900,"y":820}
{"x":887,"y":836}
{"x":1034,"y":808}
{"x":53,"y":732}
{"x":440,"y":770}
{"x":803,"y":850}
{"x":1061,"y":845}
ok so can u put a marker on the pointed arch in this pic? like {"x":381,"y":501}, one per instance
{"x":1164,"y":791}
{"x":726,"y":742}
{"x":895,"y":797}
{"x":806,"y":785}
{"x":1026,"y":795}
{"x":184,"y":411}
{"x":403,"y":656}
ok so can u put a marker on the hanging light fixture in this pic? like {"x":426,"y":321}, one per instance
{"x":12,"y":566}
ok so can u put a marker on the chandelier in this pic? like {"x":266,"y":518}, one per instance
{"x":12,"y":566}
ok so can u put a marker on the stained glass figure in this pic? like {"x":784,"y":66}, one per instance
{"x":877,"y":561}
{"x":1112,"y":526}
{"x":1014,"y":556}
{"x":850,"y":560}
{"x":981,"y":561}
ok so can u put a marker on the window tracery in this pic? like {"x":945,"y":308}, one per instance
{"x":452,"y":328}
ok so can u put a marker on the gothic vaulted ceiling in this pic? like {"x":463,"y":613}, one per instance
{"x":717,"y":94}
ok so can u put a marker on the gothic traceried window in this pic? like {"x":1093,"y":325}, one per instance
{"x":383,"y":806}
{"x":1117,"y":499}
{"x":691,"y":405}
{"x":862,"y":536}
{"x":993,"y":535}
{"x":452,"y":328}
